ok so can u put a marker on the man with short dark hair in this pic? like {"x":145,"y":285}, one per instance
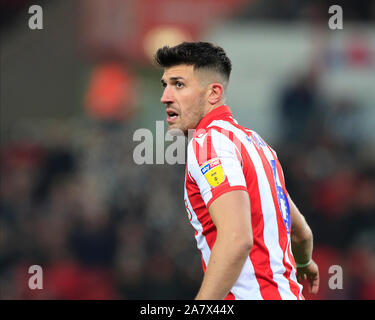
{"x":246,"y":224}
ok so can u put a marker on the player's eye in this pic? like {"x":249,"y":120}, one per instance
{"x":179,"y":84}
{"x":164,"y":84}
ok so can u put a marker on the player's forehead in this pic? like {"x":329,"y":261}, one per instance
{"x":182,"y":72}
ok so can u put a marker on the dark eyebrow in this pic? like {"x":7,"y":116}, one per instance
{"x":172,"y":79}
{"x":176,"y":78}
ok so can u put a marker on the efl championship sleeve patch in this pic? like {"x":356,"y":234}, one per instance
{"x":213,"y":171}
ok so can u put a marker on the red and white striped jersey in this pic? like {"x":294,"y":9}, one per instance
{"x":224,"y":156}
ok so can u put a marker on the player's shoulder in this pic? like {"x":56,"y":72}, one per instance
{"x":260,"y":142}
{"x":199,"y":136}
{"x":210,"y":136}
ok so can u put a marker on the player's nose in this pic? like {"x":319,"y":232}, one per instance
{"x":167,"y":96}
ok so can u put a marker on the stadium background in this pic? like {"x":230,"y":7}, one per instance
{"x":72,"y":94}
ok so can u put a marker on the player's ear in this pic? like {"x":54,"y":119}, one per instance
{"x":215,"y":93}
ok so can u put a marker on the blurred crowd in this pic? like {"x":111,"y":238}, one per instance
{"x":101,"y":227}
{"x":329,"y":167}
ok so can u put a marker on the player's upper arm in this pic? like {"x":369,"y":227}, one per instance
{"x":214,"y":163}
{"x":300,"y":229}
{"x":231,"y":214}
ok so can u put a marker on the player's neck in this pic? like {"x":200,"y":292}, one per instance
{"x":211,"y":107}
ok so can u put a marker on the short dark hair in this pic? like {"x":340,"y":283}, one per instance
{"x":202,"y":55}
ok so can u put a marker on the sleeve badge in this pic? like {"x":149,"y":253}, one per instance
{"x":213,"y":171}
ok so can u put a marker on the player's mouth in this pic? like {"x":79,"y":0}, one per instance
{"x":171,"y":116}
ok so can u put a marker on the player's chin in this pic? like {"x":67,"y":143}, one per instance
{"x":175,"y":130}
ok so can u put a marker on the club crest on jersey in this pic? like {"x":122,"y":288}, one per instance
{"x":213,"y":171}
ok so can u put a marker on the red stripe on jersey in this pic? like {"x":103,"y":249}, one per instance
{"x":291,"y":258}
{"x":224,"y":190}
{"x":230,"y":296}
{"x":204,"y":267}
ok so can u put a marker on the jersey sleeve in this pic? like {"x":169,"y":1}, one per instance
{"x":215,"y":164}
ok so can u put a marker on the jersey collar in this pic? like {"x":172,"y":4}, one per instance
{"x":215,"y":114}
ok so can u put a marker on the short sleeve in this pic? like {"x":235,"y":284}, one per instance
{"x":215,"y":164}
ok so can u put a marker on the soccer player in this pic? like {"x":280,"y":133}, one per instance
{"x":252,"y":237}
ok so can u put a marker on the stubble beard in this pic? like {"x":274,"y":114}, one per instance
{"x":196,"y":116}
